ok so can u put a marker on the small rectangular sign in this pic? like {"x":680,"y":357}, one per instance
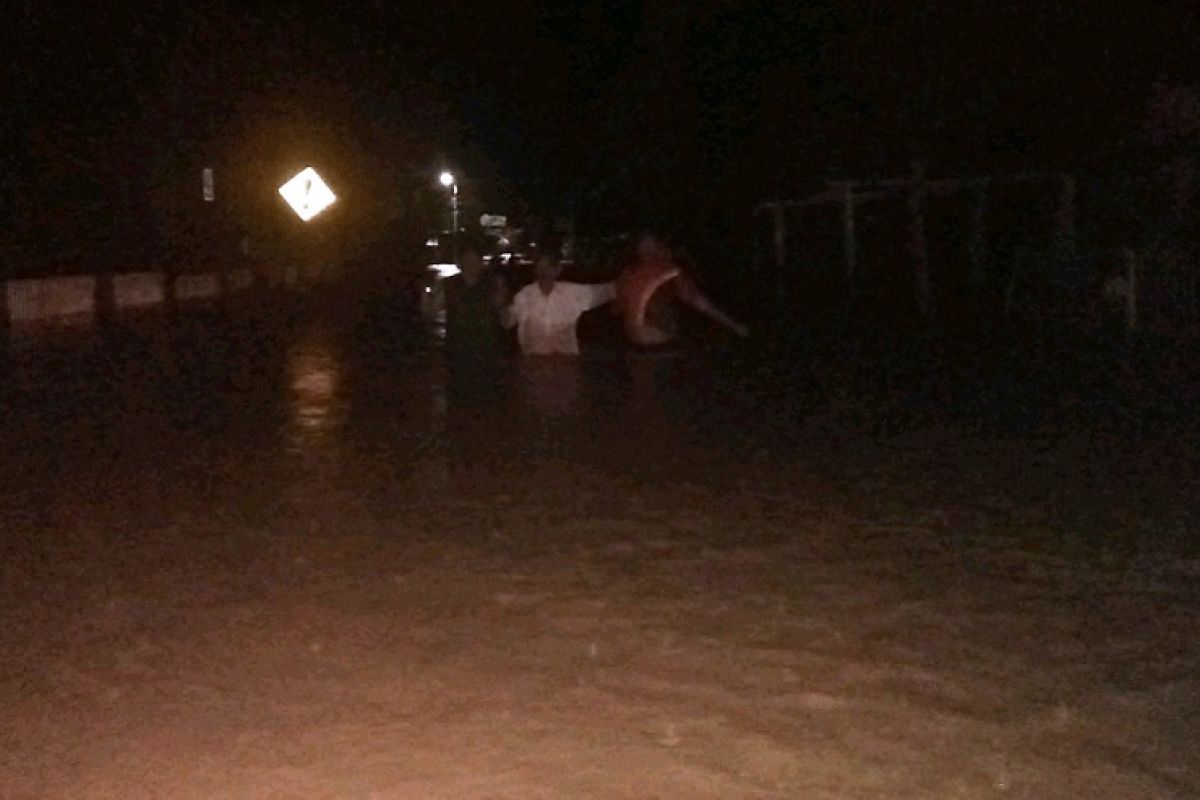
{"x":209,"y":191}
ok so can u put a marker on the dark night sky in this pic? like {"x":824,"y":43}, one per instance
{"x":620,"y":110}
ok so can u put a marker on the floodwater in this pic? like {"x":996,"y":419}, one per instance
{"x":310,"y":556}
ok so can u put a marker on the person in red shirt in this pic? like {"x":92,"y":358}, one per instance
{"x":648,"y":287}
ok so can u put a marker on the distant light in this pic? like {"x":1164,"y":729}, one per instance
{"x":446,"y":178}
{"x":428,"y":289}
{"x":431,"y":241}
{"x":445,"y":270}
{"x":307,"y":194}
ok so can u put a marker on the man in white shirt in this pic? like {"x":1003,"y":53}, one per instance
{"x":546,"y":311}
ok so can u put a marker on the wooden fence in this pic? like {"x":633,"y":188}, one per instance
{"x":1151,"y":287}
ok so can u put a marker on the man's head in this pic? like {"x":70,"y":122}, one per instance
{"x":652,"y":248}
{"x":549,"y":264}
{"x":546,"y":271}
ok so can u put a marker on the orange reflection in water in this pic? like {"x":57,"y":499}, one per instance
{"x":316,"y":405}
{"x":551,"y":386}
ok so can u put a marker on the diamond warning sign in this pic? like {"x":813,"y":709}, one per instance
{"x":307,"y":194}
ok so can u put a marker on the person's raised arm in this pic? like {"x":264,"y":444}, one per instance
{"x":690,"y":293}
{"x":597,"y":294}
{"x":724,"y":319}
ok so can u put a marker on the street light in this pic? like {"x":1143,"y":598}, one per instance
{"x":447,"y":180}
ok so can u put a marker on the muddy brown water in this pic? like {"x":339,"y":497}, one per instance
{"x":313,"y":557}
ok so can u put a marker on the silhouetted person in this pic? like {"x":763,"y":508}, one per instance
{"x":475,"y":341}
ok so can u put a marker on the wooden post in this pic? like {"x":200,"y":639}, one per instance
{"x":1191,"y":294}
{"x":1066,"y":219}
{"x":1010,"y":289}
{"x":104,"y":299}
{"x":224,"y":280}
{"x":5,"y":314}
{"x":978,"y":233}
{"x":5,"y":310}
{"x":170,"y":301}
{"x":918,"y":245}
{"x":1131,"y":303}
{"x":780,"y":250}
{"x":1064,"y":234}
{"x":850,"y":245}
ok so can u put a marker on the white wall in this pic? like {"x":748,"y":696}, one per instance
{"x":39,"y":298}
{"x":136,"y":289}
{"x":32,"y":299}
{"x":196,"y":285}
{"x":240,"y":280}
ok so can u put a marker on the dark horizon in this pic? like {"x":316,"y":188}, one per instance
{"x":623,"y":114}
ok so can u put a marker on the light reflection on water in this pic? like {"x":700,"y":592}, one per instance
{"x":420,"y":416}
{"x":329,"y":414}
{"x":550,"y":386}
{"x":390,"y":424}
{"x":328,"y":376}
{"x":316,"y":400}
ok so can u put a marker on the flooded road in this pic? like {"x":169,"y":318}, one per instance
{"x":309,"y":557}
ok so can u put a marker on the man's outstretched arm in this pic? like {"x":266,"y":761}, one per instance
{"x":596,"y":294}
